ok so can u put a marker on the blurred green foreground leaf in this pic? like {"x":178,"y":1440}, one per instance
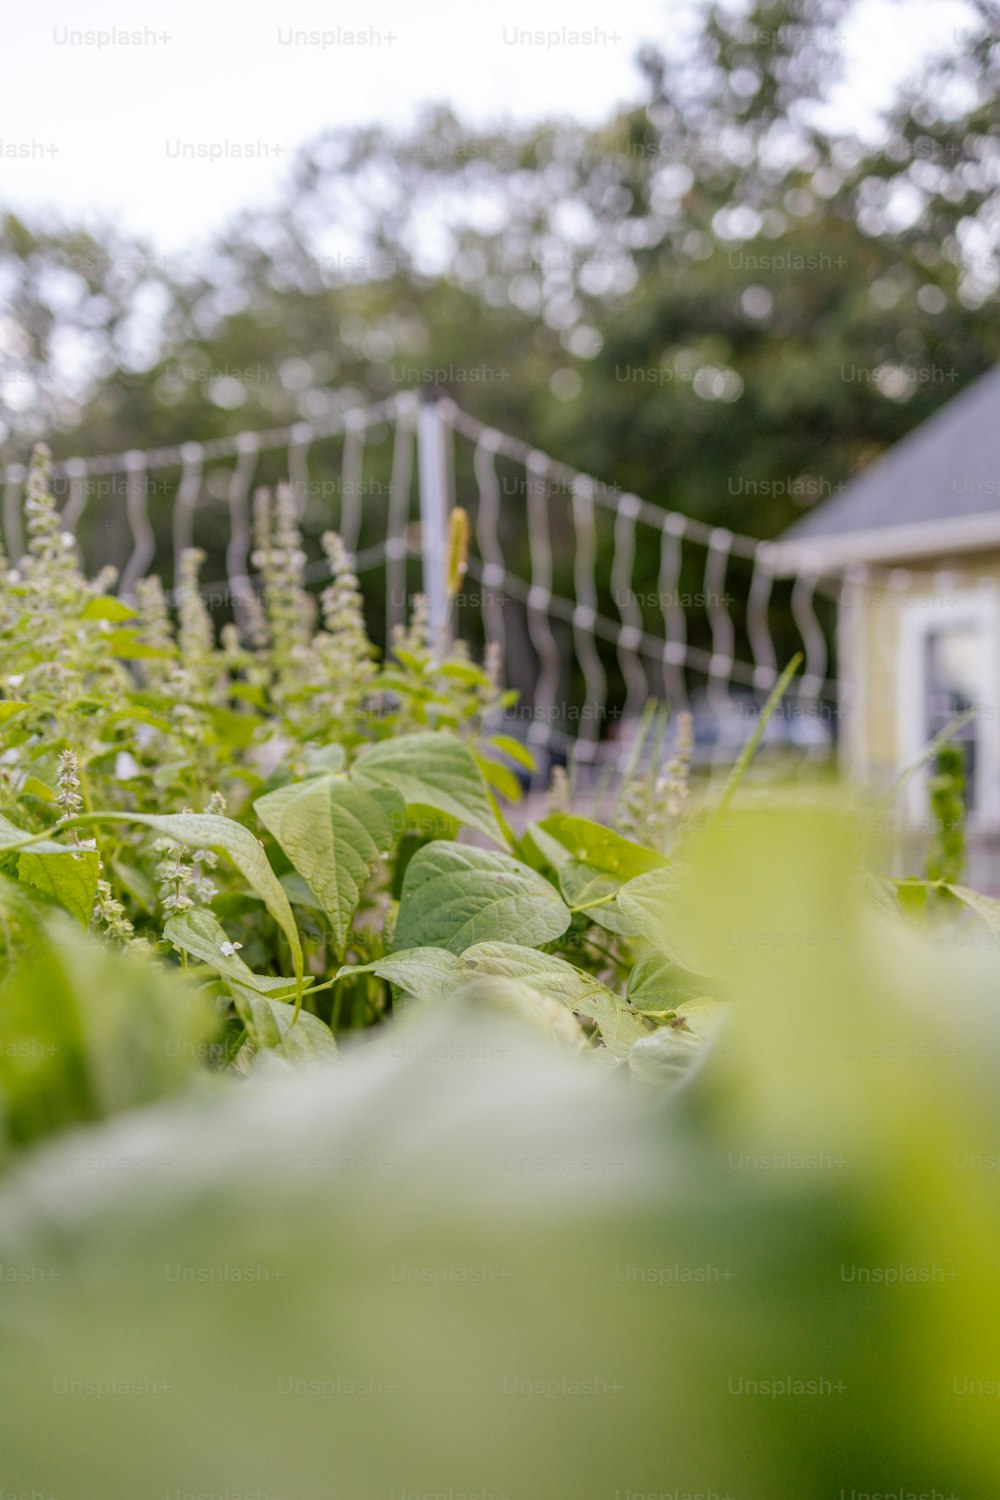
{"x":462,"y":1262}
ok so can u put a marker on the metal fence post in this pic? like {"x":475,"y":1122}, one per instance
{"x":435,"y":505}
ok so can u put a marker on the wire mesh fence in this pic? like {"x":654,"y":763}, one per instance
{"x":602,"y":601}
{"x":597,"y":600}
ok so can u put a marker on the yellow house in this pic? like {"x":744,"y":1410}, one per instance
{"x":913,"y":546}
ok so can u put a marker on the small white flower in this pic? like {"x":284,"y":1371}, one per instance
{"x":15,"y":679}
{"x":228,"y":949}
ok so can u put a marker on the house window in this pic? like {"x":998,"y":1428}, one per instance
{"x":954,"y":659}
{"x":949,"y":666}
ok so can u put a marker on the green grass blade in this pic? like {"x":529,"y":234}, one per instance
{"x":750,"y":748}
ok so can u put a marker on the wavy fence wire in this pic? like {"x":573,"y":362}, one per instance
{"x":599,"y":601}
{"x":602,"y":601}
{"x":353,"y":471}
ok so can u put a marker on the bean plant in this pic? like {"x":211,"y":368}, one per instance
{"x":320,"y":838}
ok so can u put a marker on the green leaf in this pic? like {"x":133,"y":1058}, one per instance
{"x":223,"y":836}
{"x":666,"y":1054}
{"x":646,"y":903}
{"x":594,"y":893}
{"x":107,"y":607}
{"x":232,"y":728}
{"x":432,"y":770}
{"x":912,"y":897}
{"x":619,"y":1027}
{"x":31,"y":786}
{"x":199,"y":933}
{"x":422,"y":973}
{"x":126,"y":645}
{"x":248,"y":692}
{"x":987,"y":908}
{"x":518,"y":753}
{"x":549,"y":851}
{"x":455,"y":895}
{"x":500,"y":778}
{"x":335,"y":834}
{"x":71,"y":881}
{"x":272,"y":1026}
{"x":879,"y":893}
{"x":658,"y":983}
{"x":298,"y":892}
{"x":325,"y":761}
{"x":583,"y":886}
{"x":136,"y":885}
{"x":546,"y":971}
{"x":87,"y":1031}
{"x":465,"y":671}
{"x":10,"y":834}
{"x":11,"y":706}
{"x":601,"y":848}
{"x":143,"y":713}
{"x":21,"y":924}
{"x":407,"y":659}
{"x":527,"y":1002}
{"x":557,"y":979}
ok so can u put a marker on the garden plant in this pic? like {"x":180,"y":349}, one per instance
{"x":288,"y":981}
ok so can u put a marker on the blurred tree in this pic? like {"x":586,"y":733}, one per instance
{"x":715,"y":299}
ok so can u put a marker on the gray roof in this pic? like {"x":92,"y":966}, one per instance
{"x":947,"y":468}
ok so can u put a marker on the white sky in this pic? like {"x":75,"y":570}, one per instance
{"x":111,"y":116}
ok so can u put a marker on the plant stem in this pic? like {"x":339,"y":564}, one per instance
{"x":600,"y":901}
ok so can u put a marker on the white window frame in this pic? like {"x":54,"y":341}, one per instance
{"x":921,"y":615}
